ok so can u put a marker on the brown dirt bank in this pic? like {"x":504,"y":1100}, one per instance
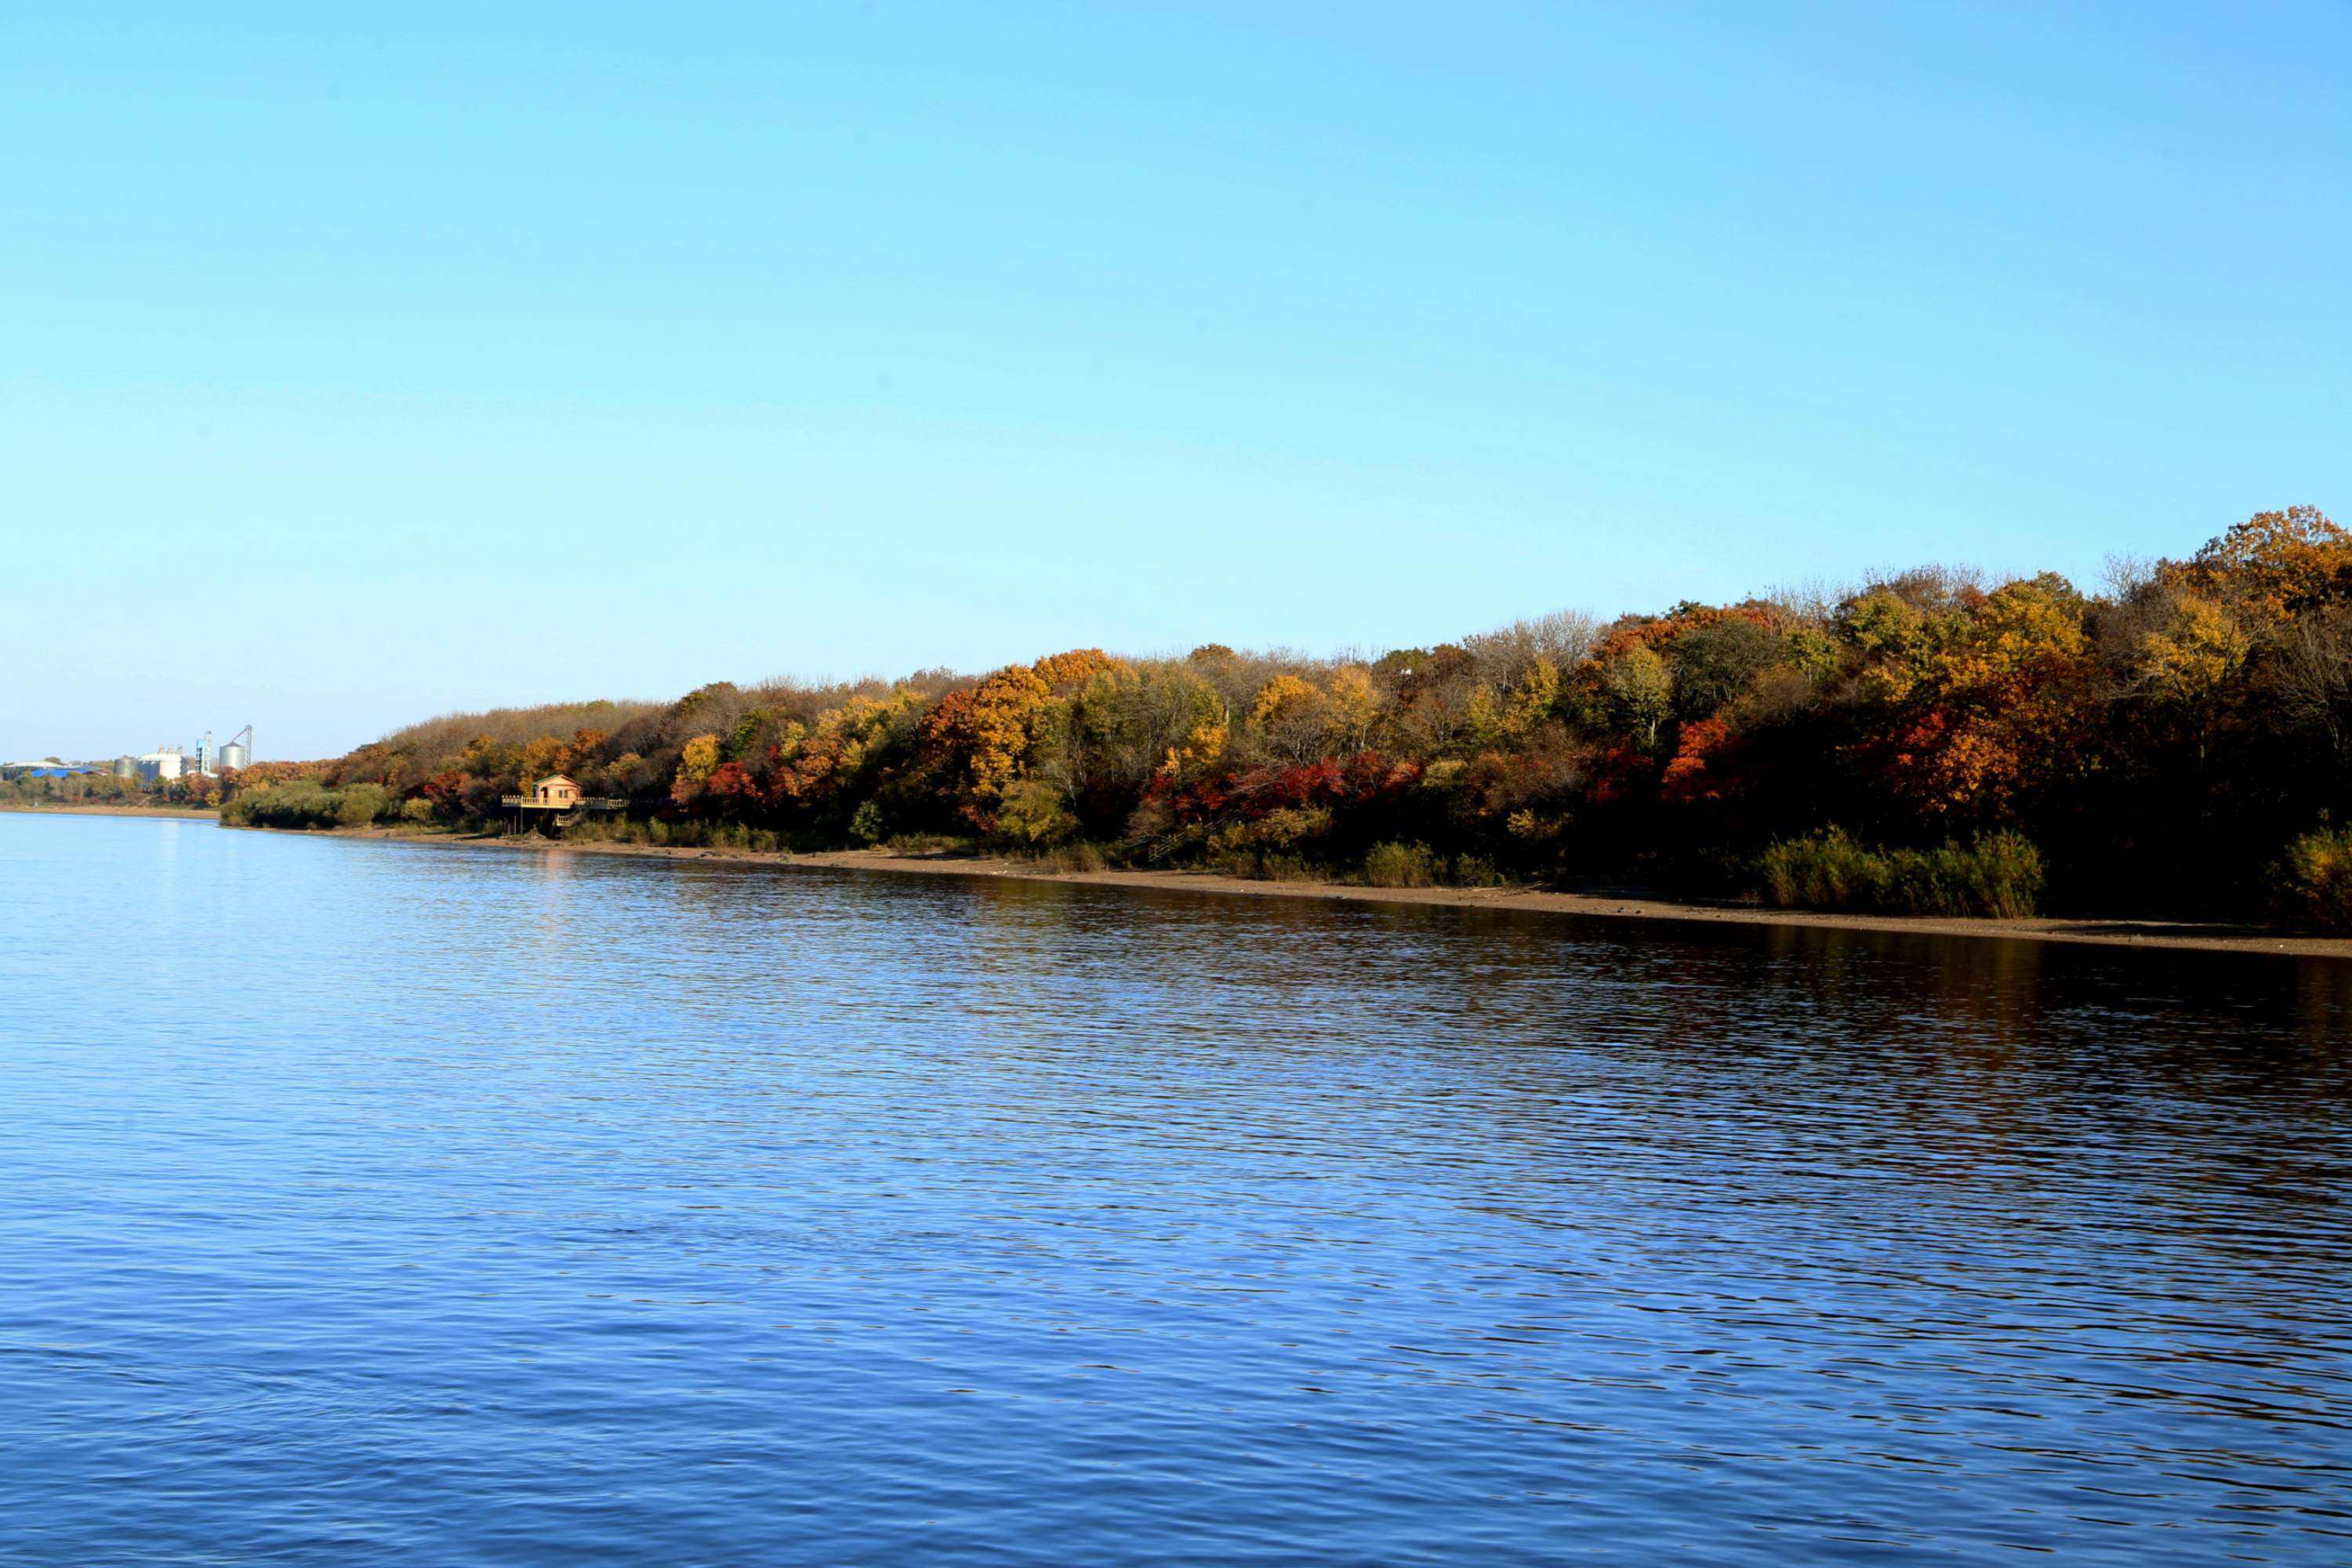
{"x":2106,"y":933}
{"x":195,"y":813}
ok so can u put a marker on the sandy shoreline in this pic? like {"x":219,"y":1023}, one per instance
{"x":2095,"y":932}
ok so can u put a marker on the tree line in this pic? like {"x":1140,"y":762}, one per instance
{"x":2172,"y":743}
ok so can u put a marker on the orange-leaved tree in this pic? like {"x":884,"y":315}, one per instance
{"x":2001,"y":706}
{"x":975,"y":742}
{"x":2273,"y":564}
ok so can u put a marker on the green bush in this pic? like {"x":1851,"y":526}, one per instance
{"x":2312,"y":883}
{"x":1475,"y":871}
{"x":1032,"y":816}
{"x":1264,"y":866}
{"x":735,"y":836}
{"x":1827,"y":872}
{"x":1078,"y":857}
{"x":1997,"y":875}
{"x":926,"y":844}
{"x":1401,"y":866}
{"x":306,"y":802}
{"x":362,"y":804}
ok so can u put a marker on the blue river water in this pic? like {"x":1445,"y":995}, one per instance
{"x":368,"y":1201}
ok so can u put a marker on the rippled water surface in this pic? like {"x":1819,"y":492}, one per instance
{"x":371,"y":1201}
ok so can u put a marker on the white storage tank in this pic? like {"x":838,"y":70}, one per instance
{"x":162,"y":764}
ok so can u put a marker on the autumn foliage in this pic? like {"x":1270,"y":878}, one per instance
{"x":2162,"y":742}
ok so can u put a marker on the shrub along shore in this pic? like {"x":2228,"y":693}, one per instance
{"x":2177,"y":744}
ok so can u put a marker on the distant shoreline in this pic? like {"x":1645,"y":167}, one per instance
{"x":2142,"y":935}
{"x":206,"y":812}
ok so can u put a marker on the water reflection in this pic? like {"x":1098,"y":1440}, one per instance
{"x":572,"y":1209}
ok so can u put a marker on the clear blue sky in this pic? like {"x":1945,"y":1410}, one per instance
{"x":356,"y":370}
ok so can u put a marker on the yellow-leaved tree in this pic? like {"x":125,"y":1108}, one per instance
{"x":696,"y":761}
{"x":2190,"y":660}
{"x":1351,"y":708}
{"x":1290,"y":718}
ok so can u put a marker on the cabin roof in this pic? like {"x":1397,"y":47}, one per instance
{"x":557,"y":779}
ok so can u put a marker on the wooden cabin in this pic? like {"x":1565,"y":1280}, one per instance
{"x":554,"y":801}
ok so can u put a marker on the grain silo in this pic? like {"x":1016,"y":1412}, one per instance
{"x":238,"y":752}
